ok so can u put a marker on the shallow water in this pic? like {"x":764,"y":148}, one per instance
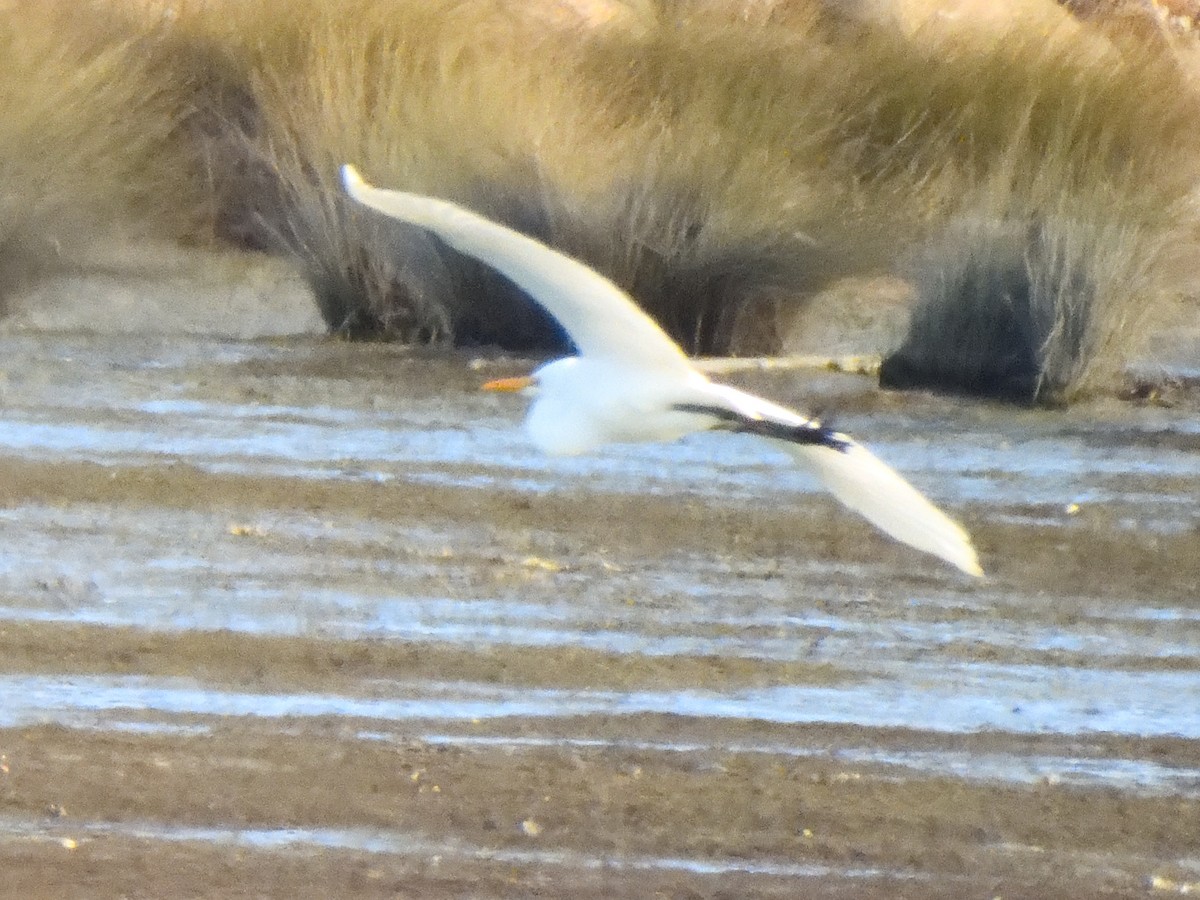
{"x":414,"y":845}
{"x":897,"y":641}
{"x":104,"y":565}
{"x":933,"y":698}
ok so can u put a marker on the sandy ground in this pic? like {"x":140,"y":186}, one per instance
{"x":552,"y":819}
{"x":294,"y":618}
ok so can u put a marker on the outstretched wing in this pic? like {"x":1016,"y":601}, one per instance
{"x":601,"y":319}
{"x":856,"y":477}
{"x":870,"y":487}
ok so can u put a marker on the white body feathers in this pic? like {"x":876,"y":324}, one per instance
{"x":632,"y":383}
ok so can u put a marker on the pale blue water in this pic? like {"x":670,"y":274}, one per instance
{"x":432,"y":852}
{"x":1110,"y":667}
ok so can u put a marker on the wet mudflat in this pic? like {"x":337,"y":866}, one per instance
{"x":304,"y":618}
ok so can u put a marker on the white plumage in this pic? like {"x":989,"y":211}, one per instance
{"x":630,"y":382}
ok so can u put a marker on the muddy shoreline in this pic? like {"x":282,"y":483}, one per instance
{"x":299,"y":618}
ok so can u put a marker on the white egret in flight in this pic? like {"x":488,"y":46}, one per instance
{"x":630,"y":382}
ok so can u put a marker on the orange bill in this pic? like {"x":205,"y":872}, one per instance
{"x":509,"y":384}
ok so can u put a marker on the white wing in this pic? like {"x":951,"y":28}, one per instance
{"x":600,"y":318}
{"x":865,"y":484}
{"x":871,"y":488}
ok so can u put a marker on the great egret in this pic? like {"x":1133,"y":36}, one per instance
{"x":630,"y":382}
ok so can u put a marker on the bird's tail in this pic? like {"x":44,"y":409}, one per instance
{"x":867,"y":485}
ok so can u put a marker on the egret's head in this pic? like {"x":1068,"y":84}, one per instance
{"x":562,"y":417}
{"x":559,"y":376}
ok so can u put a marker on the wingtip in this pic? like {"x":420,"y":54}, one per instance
{"x":962,"y":554}
{"x":967,"y":558}
{"x":351,"y":180}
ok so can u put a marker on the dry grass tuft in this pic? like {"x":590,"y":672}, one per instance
{"x":88,"y":135}
{"x":695,"y":169}
{"x":735,"y":181}
{"x":419,"y":88}
{"x":1024,"y":309}
{"x":1072,"y":208}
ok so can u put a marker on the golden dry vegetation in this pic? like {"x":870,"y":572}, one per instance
{"x":1033,"y":177}
{"x":89,"y":142}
